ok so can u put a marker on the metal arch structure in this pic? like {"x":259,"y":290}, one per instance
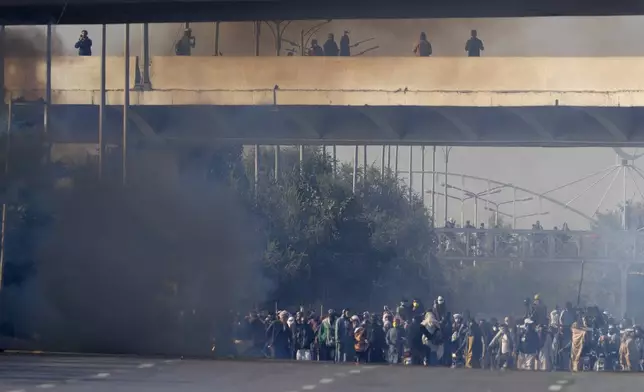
{"x":624,"y":155}
{"x":518,"y":188}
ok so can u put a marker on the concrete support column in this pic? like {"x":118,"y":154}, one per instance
{"x":47,"y":80}
{"x":126,"y":102}
{"x":101,"y":107}
{"x":145,"y":58}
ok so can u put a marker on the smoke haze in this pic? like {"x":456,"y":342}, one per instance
{"x":125,"y":269}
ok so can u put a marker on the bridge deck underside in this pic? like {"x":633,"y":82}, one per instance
{"x":459,"y":126}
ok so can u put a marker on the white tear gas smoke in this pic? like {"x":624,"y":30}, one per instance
{"x":154,"y":267}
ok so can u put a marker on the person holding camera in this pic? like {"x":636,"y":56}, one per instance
{"x":84,"y":44}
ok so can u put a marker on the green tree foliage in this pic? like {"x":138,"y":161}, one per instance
{"x":327,"y":245}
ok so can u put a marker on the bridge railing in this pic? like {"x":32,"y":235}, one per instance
{"x":540,"y":245}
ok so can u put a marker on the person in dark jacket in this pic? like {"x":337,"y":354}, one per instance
{"x":417,"y":308}
{"x":423,"y":48}
{"x":303,"y":336}
{"x":404,"y":310}
{"x":84,"y":44}
{"x":330,"y":47}
{"x":345,"y":45}
{"x":315,"y":49}
{"x":376,"y":339}
{"x":280,"y":337}
{"x":487,"y":334}
{"x":415,"y":335}
{"x":538,"y":311}
{"x":256,"y":332}
{"x":474,"y":46}
{"x":529,"y":345}
{"x":186,"y":43}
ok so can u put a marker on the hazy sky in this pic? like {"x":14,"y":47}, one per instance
{"x":536,"y":169}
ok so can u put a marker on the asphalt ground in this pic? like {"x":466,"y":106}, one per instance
{"x":22,"y":372}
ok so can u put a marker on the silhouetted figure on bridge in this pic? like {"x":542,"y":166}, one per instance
{"x":184,"y":46}
{"x":474,"y":46}
{"x":315,"y":49}
{"x":84,"y":44}
{"x":330,"y":47}
{"x":423,"y":48}
{"x":345,"y":45}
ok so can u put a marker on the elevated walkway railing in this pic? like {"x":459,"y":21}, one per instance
{"x":541,"y":245}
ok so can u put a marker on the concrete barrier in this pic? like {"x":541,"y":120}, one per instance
{"x":74,"y":79}
{"x":359,"y":81}
{"x":445,"y":81}
{"x":597,"y":74}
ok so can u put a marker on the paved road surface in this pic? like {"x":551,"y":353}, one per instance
{"x":27,"y":373}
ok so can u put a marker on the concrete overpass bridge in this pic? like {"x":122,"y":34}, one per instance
{"x":377,"y":100}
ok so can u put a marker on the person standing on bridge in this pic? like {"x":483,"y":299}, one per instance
{"x":315,"y":49}
{"x":84,"y":44}
{"x":474,"y":46}
{"x":331,"y":47}
{"x":186,"y":43}
{"x":345,"y":44}
{"x":423,"y":48}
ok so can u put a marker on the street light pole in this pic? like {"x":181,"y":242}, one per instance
{"x":434,"y":186}
{"x":446,"y":150}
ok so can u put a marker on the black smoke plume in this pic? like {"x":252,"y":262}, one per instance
{"x":156,"y":266}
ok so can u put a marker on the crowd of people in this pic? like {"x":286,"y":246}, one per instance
{"x":564,"y":339}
